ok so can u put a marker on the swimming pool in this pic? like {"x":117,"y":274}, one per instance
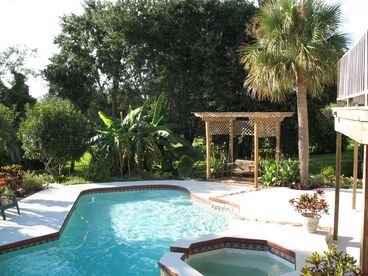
{"x":117,"y":233}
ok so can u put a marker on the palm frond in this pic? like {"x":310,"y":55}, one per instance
{"x":293,"y":38}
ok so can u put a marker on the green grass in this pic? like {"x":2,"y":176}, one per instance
{"x":81,"y":163}
{"x":320,"y":161}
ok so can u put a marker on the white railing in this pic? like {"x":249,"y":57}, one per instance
{"x":353,"y":72}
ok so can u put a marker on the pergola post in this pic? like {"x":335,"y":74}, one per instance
{"x":364,"y":233}
{"x":355,"y":174}
{"x":208,"y":151}
{"x":231,"y":140}
{"x":256,"y":154}
{"x":278,"y":135}
{"x":337,"y":186}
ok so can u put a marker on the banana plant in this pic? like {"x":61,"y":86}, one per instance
{"x":137,"y":140}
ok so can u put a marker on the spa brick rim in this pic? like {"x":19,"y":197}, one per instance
{"x":216,"y":244}
{"x":236,"y":243}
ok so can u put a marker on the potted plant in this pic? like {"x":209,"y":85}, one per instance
{"x":331,"y":263}
{"x":311,"y":207}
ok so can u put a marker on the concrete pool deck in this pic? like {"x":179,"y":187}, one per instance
{"x":265,"y":214}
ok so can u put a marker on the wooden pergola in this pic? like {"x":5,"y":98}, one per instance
{"x":257,"y":124}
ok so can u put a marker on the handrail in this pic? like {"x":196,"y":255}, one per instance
{"x":353,"y":71}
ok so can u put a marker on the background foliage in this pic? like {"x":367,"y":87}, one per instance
{"x":54,"y":132}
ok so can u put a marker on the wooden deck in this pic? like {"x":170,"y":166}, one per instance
{"x":352,"y":122}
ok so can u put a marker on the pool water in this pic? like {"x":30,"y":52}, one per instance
{"x":120,"y":233}
{"x":237,"y":264}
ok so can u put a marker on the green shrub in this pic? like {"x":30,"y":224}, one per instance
{"x":219,"y":161}
{"x":54,"y":132}
{"x":97,"y":170}
{"x":33,"y":182}
{"x":185,"y":165}
{"x":167,"y":175}
{"x":13,"y":177}
{"x":327,"y":177}
{"x":73,"y":179}
{"x":330,"y":263}
{"x":347,"y":182}
{"x":47,"y":178}
{"x":267,"y":150}
{"x":279,"y":173}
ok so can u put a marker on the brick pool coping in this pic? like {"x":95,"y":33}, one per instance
{"x":212,"y":201}
{"x":236,"y":243}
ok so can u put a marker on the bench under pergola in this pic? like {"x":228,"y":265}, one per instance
{"x":257,"y":124}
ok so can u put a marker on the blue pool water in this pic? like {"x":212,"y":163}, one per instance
{"x":121,"y":233}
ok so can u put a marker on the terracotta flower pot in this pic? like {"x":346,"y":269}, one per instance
{"x":310,"y":223}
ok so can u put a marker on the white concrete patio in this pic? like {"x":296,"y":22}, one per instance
{"x":44,"y":213}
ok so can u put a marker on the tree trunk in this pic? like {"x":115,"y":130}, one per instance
{"x":303,"y":131}
{"x":114,"y":92}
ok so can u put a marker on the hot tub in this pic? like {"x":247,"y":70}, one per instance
{"x":229,"y":256}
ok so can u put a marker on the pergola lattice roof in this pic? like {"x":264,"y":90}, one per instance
{"x":252,"y":115}
{"x":221,"y":122}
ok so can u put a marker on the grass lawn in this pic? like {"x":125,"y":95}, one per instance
{"x":320,"y":161}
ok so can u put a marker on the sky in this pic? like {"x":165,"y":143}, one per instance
{"x":35,"y":23}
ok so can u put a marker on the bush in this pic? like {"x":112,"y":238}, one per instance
{"x":97,"y":170}
{"x":330,"y":263}
{"x":327,"y":178}
{"x":13,"y":177}
{"x":33,"y":182}
{"x":219,"y":161}
{"x":279,"y":173}
{"x":185,"y":165}
{"x":54,"y":132}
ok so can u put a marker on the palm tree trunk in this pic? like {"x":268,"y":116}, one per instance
{"x":303,"y":131}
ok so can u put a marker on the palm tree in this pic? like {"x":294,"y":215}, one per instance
{"x":296,"y":49}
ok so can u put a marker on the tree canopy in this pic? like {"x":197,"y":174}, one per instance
{"x":126,"y":52}
{"x":54,"y":132}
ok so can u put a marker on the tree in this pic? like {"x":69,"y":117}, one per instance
{"x":93,"y":56}
{"x":129,"y":50}
{"x":190,"y":50}
{"x":6,"y":125}
{"x":13,"y":75}
{"x":297,"y":47}
{"x":54,"y":132}
{"x":14,"y":92}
